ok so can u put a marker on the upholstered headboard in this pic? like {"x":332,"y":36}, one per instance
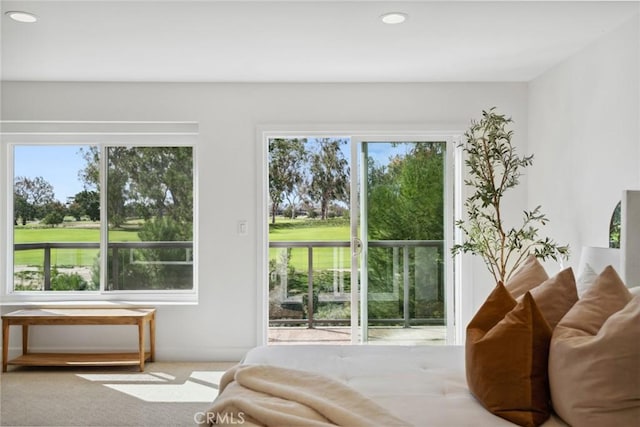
{"x":630,"y":238}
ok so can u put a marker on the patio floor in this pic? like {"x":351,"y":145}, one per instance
{"x":342,"y":335}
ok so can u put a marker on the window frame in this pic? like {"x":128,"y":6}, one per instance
{"x":102,"y":135}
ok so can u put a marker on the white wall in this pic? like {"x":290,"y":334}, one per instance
{"x":584,"y":128}
{"x":223,"y":325}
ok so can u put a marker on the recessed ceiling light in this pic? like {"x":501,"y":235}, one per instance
{"x":22,"y":16}
{"x":394,"y":18}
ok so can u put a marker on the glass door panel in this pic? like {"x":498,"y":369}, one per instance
{"x":401,"y":226}
{"x":309,"y":257}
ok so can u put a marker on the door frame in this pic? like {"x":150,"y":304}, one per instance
{"x":453,"y":181}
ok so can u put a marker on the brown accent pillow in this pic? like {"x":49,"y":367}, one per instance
{"x":529,"y":275}
{"x":555,"y":296}
{"x":594,"y":357}
{"x":507,"y":348}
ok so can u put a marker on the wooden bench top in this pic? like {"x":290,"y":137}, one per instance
{"x":79,"y":315}
{"x":81,"y":312}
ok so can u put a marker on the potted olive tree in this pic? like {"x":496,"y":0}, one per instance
{"x":493,"y":168}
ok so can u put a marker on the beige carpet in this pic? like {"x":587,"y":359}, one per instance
{"x":166,"y":394}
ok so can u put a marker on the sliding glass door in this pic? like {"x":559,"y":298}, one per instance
{"x":360,"y":231}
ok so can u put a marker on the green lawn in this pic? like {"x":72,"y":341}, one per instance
{"x":64,"y":257}
{"x":283,"y":230}
{"x":312,"y":230}
{"x":309,"y":230}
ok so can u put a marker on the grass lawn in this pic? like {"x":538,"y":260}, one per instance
{"x":64,"y":257}
{"x":283,"y":230}
{"x":309,"y":230}
{"x":312,"y":230}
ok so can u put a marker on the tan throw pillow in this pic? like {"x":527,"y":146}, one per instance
{"x":507,"y":347}
{"x":594,"y":358}
{"x":555,"y":296}
{"x":529,"y":275}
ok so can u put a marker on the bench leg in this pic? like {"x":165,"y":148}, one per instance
{"x":141,"y":343}
{"x":152,"y":337}
{"x":25,"y":339}
{"x":5,"y":344}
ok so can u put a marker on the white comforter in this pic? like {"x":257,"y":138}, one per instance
{"x":267,"y":395}
{"x":423,"y":385}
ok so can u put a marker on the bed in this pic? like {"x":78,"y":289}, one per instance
{"x":422,"y":385}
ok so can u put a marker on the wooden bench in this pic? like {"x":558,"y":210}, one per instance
{"x":79,"y":316}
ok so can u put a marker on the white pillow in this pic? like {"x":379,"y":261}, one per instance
{"x":586,"y":278}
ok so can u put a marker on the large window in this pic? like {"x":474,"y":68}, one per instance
{"x":150,"y":218}
{"x":56,"y":220}
{"x":102,"y":218}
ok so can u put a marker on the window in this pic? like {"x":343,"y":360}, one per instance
{"x":150,"y":218}
{"x":102,"y":219}
{"x":56,"y":220}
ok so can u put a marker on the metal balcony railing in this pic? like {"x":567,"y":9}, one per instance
{"x":397,"y":247}
{"x":114,"y":247}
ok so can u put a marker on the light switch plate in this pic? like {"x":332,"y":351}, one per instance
{"x":243,"y":228}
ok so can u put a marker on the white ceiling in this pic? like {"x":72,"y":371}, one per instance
{"x":298,"y":41}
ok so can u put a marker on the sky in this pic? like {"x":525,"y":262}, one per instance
{"x":58,"y":165}
{"x":380,"y":152}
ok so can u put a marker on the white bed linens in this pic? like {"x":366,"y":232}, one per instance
{"x":267,"y":395}
{"x":423,"y":385}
